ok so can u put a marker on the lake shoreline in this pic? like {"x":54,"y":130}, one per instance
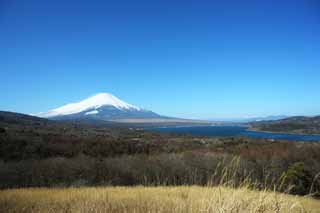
{"x":288,"y":133}
{"x":235,"y":131}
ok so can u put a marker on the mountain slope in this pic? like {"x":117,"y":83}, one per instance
{"x":103,"y":106}
{"x":7,"y":118}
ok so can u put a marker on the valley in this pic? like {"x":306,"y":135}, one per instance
{"x":113,"y":156}
{"x":36,"y":152}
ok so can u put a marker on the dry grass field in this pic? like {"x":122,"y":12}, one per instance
{"x":152,"y":199}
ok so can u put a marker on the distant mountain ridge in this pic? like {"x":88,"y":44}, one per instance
{"x":251,"y":119}
{"x":103,"y":106}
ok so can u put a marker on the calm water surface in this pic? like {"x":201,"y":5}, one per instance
{"x":224,"y":131}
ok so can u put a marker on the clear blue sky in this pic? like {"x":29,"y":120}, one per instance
{"x":194,"y":59}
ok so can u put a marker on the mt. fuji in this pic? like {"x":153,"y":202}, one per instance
{"x":102,"y":106}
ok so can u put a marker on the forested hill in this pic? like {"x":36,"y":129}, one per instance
{"x":298,"y":124}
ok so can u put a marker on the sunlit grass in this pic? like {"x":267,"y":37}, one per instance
{"x":152,"y":199}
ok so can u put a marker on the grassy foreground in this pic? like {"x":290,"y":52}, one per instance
{"x":152,"y":199}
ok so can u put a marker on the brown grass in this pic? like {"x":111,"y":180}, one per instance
{"x":152,"y":199}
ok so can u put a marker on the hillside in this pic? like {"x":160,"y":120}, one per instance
{"x":152,"y":199}
{"x":36,"y":152}
{"x":298,"y":125}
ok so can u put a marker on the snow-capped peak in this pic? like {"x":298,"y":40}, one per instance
{"x":91,"y":103}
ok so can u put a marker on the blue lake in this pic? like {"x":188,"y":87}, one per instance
{"x":226,"y":131}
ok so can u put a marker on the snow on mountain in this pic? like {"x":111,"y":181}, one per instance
{"x":92,"y":112}
{"x":91,"y":106}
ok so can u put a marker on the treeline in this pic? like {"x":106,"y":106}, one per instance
{"x":189,"y":168}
